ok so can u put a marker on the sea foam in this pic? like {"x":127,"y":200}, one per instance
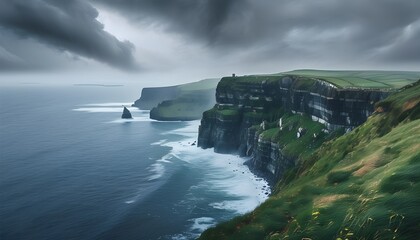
{"x":144,"y":118}
{"x":234,"y":187}
{"x":157,"y":170}
{"x":111,"y":104}
{"x":202,"y":223}
{"x":224,"y":175}
{"x":107,"y":109}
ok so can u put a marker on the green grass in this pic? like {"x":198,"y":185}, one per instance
{"x":225,"y":113}
{"x":240,"y":84}
{"x":200,"y":85}
{"x":342,"y":79}
{"x":362,"y":185}
{"x":270,"y":133}
{"x":287,"y":136}
{"x":362,"y":79}
{"x":178,"y":110}
{"x":229,"y":112}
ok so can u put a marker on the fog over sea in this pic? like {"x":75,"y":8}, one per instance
{"x":71,"y":168}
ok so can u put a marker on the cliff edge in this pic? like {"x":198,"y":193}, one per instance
{"x":276,"y":118}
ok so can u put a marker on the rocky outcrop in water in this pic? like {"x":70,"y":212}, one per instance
{"x":126,"y":114}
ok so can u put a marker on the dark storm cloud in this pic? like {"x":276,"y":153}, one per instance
{"x":358,"y":28}
{"x":201,"y":18}
{"x":67,"y":25}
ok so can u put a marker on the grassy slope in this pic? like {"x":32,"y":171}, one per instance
{"x":345,"y":79}
{"x":287,"y":139}
{"x":191,"y":103}
{"x":363,"y":185}
{"x":362,"y":79}
{"x":205,"y":84}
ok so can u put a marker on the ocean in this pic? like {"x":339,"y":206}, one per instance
{"x":71,"y":168}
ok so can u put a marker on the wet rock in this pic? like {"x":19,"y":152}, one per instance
{"x":126,"y":114}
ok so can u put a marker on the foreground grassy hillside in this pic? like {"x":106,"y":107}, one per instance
{"x":192,"y":100}
{"x":362,"y":185}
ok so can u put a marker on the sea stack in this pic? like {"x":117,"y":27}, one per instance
{"x":126,"y":114}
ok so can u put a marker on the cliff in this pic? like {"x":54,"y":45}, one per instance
{"x":187,"y":106}
{"x":323,"y":107}
{"x":151,"y":97}
{"x":178,"y":103}
{"x":362,"y":185}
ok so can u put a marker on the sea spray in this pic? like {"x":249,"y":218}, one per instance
{"x":237,"y":189}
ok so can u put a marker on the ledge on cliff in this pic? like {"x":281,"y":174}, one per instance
{"x":298,"y":136}
{"x":362,"y":185}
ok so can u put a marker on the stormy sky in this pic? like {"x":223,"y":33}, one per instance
{"x":171,"y":41}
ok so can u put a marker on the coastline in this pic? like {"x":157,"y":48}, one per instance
{"x":224,"y":173}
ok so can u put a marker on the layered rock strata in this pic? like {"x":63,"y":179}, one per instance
{"x":242,"y":103}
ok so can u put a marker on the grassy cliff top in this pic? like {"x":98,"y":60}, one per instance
{"x":205,"y":84}
{"x":362,"y":185}
{"x":362,"y":79}
{"x":341,"y":79}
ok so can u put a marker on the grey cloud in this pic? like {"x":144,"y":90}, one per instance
{"x":203,"y":19}
{"x":18,"y":54}
{"x":66,"y":25}
{"x":405,"y":45}
{"x":9,"y":61}
{"x":334,"y":28}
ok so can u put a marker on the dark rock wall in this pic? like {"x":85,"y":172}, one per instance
{"x":324,"y":102}
{"x":219,"y":132}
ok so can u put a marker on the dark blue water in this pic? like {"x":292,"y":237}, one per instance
{"x":70,"y":168}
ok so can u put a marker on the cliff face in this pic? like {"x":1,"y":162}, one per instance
{"x":323,"y":101}
{"x":246,"y":101}
{"x":151,"y":97}
{"x":219,"y":131}
{"x":269,"y":158}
